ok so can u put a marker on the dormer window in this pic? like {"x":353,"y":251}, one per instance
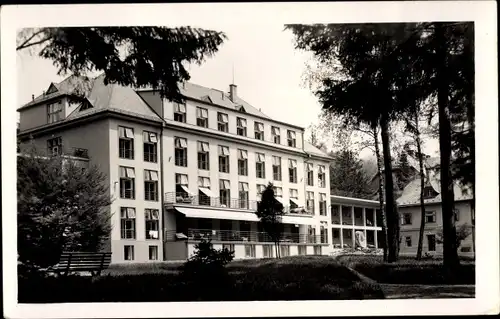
{"x":429,"y":192}
{"x":54,"y":112}
{"x":85,"y":106}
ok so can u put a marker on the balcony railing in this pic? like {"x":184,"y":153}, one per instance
{"x":184,"y":198}
{"x":241,"y":236}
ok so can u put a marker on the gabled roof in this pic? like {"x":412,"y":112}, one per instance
{"x":313,"y":150}
{"x":411,"y":193}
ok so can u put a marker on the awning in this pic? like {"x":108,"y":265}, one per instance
{"x":186,"y":189}
{"x":217,"y":214}
{"x":206,"y":191}
{"x":298,"y":220}
{"x":279,"y":199}
{"x":296,"y":202}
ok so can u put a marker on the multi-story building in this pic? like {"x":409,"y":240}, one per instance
{"x":411,"y":215}
{"x":181,"y":172}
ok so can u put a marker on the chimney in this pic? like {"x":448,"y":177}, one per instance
{"x":32,"y":97}
{"x":233,"y":92}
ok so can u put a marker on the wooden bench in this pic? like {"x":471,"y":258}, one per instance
{"x":92,"y":262}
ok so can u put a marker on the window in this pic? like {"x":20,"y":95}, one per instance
{"x":275,"y":132}
{"x":259,"y":130}
{"x":153,"y":252}
{"x":180,"y":112}
{"x":294,"y":195}
{"x":321,"y":176}
{"x":260,"y":189}
{"x":126,"y":142}
{"x":150,"y":146}
{"x":456,"y":213}
{"x":302,"y":250}
{"x":429,"y":192}
{"x":276,"y":168}
{"x":224,"y":193}
{"x":151,"y":185}
{"x":310,"y":202}
{"x":203,"y":156}
{"x":284,"y":250}
{"x":127,"y":223}
{"x":54,"y":146}
{"x":292,"y":142}
{"x":267,"y":251}
{"x":431,"y":242}
{"x":408,"y":241}
{"x":406,"y":219}
{"x":260,"y":165}
{"x":127,"y":182}
{"x":201,"y":117}
{"x":322,"y":204}
{"x":223,"y":159}
{"x":242,"y":163}
{"x":249,"y":250}
{"x":229,"y":247}
{"x":241,"y":126}
{"x":152,"y":217}
{"x":243,"y":195}
{"x":180,"y":152}
{"x":317,"y":250}
{"x":323,"y":231}
{"x":292,"y":171}
{"x":310,"y":174}
{"x":222,"y":122}
{"x":128,"y":252}
{"x":278,"y":192}
{"x":430,"y":217}
{"x":54,"y":112}
{"x":204,"y":193}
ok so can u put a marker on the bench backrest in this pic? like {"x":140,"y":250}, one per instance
{"x":84,"y":260}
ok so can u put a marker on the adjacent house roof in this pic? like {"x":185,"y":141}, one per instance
{"x":411,"y":193}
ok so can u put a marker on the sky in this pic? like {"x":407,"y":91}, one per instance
{"x":268,"y":73}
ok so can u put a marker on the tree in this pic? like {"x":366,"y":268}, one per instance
{"x":136,"y":56}
{"x":448,"y":49}
{"x":60,"y":206}
{"x":347,"y":177}
{"x":369,"y":86}
{"x":270,"y":212}
{"x":463,"y":232}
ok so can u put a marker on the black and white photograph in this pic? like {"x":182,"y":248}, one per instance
{"x":198,"y":157}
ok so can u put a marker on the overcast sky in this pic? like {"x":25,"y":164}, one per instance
{"x":268,"y":73}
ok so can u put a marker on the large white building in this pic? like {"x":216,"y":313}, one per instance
{"x":181,"y":172}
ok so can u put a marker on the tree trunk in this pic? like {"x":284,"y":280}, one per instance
{"x":391,"y":211}
{"x":381,"y":192}
{"x":450,"y":254}
{"x":422,"y":186}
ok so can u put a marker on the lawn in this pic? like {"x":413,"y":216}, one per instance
{"x":408,"y":271}
{"x":290,"y":278}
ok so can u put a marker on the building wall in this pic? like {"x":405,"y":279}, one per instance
{"x":412,"y":231}
{"x":140,"y":243}
{"x":37,"y":115}
{"x":232,"y":115}
{"x":170,"y":169}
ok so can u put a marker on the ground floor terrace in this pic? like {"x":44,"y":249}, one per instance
{"x":241,"y":232}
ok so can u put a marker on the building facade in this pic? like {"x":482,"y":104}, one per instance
{"x":411,"y":216}
{"x":178,"y":173}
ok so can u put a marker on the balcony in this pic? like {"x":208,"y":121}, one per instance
{"x":234,"y":203}
{"x":217,"y":235}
